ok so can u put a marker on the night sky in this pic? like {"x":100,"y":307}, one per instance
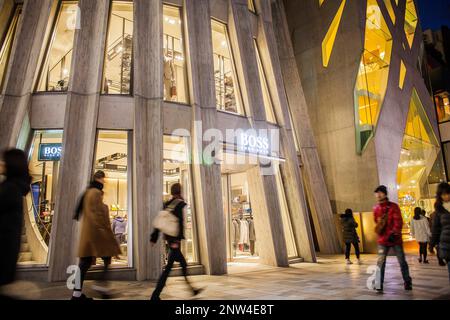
{"x":434,"y":13}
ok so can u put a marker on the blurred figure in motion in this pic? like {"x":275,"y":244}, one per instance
{"x":420,"y":230}
{"x":431,"y":247}
{"x":96,"y":237}
{"x":389,"y":223}
{"x":349,"y":234}
{"x":441,"y":223}
{"x":14,"y":167}
{"x":175,"y":206}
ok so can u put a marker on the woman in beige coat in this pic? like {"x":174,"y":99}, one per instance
{"x":96,"y":237}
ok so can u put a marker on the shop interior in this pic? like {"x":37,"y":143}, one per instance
{"x":421,"y":166}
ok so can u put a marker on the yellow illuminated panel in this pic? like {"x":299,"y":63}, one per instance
{"x":321,"y":2}
{"x":411,"y":21}
{"x":402,"y":75}
{"x":390,"y":9}
{"x":373,"y":74}
{"x":330,"y":37}
{"x":6,"y":48}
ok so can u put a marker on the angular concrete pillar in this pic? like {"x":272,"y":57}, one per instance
{"x":324,"y":224}
{"x":148,"y":133}
{"x":264,"y":195}
{"x":207,"y":177}
{"x":290,"y":170}
{"x":80,"y":125}
{"x":14,"y":106}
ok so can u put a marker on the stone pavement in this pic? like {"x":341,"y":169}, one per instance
{"x":329,"y":279}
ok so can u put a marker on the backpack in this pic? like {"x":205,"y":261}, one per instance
{"x":166,"y":221}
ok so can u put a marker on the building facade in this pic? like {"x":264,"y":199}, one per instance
{"x":370,"y":109}
{"x":135,"y":88}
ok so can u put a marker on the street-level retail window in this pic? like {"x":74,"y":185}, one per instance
{"x":112,"y":157}
{"x":268,"y":104}
{"x":371,"y":83}
{"x":442,"y":101}
{"x":55,"y":72}
{"x":285,"y":215}
{"x":420,"y":168}
{"x":226,"y":84}
{"x":44,"y":160}
{"x":6,"y":46}
{"x":119,"y":50}
{"x":177,"y":169}
{"x":175,"y":73}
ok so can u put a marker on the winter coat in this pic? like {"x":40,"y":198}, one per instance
{"x":96,"y":238}
{"x":441,"y":232}
{"x":392,"y":234}
{"x":349,"y":226}
{"x":12,"y":192}
{"x":178,"y":212}
{"x":119,"y":225}
{"x":420,"y":229}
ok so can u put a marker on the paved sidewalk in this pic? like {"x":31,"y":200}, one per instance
{"x":329,"y":279}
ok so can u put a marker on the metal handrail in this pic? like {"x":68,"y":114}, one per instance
{"x":41,"y":224}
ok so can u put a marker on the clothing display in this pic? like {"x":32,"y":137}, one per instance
{"x":243,"y":235}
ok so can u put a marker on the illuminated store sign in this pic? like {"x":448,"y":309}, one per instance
{"x":49,"y":152}
{"x":253,"y":143}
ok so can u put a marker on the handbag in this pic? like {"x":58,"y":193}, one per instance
{"x":167,"y":222}
{"x":382,"y":222}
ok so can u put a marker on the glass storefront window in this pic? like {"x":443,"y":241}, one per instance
{"x":176,"y":169}
{"x":112,"y":157}
{"x":268,"y":105}
{"x":5,"y":50}
{"x":44,"y":160}
{"x":371,"y":83}
{"x":119,"y":50}
{"x":55,"y":72}
{"x":411,"y":21}
{"x":287,"y":223}
{"x":442,"y":102}
{"x":226,"y":84}
{"x":420,"y":167}
{"x":175,"y":73}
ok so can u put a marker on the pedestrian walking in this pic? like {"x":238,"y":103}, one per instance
{"x":350,"y":235}
{"x":389,"y":223}
{"x":96,"y":237}
{"x":420,"y":230}
{"x":16,"y":185}
{"x":441,"y":223}
{"x":175,"y":206}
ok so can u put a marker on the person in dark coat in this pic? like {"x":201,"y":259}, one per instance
{"x":175,"y":206}
{"x":13,"y":189}
{"x":440,"y":234}
{"x":349,"y":234}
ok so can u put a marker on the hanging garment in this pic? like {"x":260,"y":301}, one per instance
{"x":251,"y":230}
{"x":236,"y":232}
{"x":244,"y":237}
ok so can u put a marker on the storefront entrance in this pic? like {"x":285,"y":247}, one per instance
{"x":239,"y":217}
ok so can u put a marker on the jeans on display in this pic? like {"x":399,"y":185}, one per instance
{"x":381,"y":264}
{"x":84,"y":265}
{"x":348,"y":247}
{"x":175,"y":254}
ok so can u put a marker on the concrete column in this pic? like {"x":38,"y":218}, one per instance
{"x":264,"y":194}
{"x":207,"y":176}
{"x":320,"y":206}
{"x":148,"y":133}
{"x":14,"y":106}
{"x":290,"y":170}
{"x":80,"y":125}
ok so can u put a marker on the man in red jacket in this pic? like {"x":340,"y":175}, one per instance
{"x":389,"y":237}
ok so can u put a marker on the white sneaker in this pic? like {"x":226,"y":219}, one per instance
{"x":349,"y":262}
